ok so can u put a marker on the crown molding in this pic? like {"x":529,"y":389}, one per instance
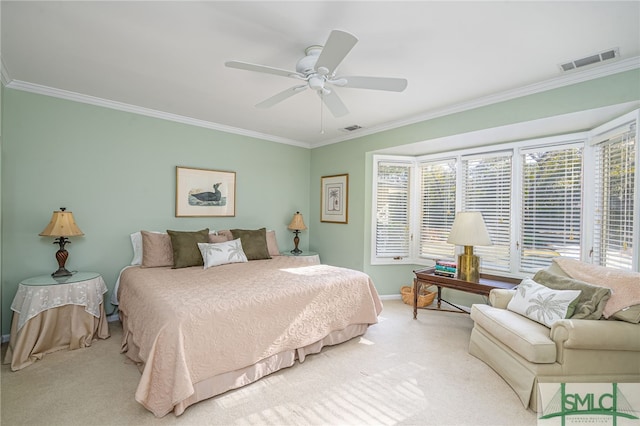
{"x":567,"y":79}
{"x":121,"y":106}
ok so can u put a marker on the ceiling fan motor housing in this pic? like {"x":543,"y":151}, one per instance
{"x":307,"y":64}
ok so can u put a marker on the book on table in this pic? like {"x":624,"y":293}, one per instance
{"x":446,"y":268}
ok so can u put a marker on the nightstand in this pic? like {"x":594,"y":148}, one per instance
{"x":50,"y":314}
{"x":303,"y":254}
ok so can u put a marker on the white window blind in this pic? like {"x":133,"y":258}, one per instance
{"x":438,"y":208}
{"x":392,"y":209}
{"x":486,"y":188}
{"x":615,"y":180}
{"x":551,"y":206}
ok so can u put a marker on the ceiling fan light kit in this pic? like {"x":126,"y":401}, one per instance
{"x":318,"y":69}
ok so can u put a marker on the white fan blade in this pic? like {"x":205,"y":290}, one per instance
{"x":279,"y":97}
{"x":338,"y":45}
{"x":334,"y":103}
{"x":262,"y":68}
{"x":374,"y":83}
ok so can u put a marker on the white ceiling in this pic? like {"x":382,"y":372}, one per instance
{"x":167,"y":58}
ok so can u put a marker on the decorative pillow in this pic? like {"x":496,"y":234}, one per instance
{"x":215,"y":238}
{"x":156,"y":250}
{"x":630,"y":314}
{"x":185,"y":247}
{"x":555,"y":269}
{"x":136,"y":244}
{"x":542,"y":304}
{"x":272,"y":243}
{"x":592,"y":299}
{"x":226,"y":233}
{"x":215,"y":254}
{"x":254,"y":242}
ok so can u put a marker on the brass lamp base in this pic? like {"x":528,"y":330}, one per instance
{"x":468,"y":266}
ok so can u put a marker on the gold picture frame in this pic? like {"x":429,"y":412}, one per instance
{"x":202,"y":192}
{"x":334,"y":199}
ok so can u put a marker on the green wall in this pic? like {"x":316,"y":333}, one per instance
{"x":116,"y":172}
{"x":350,"y":245}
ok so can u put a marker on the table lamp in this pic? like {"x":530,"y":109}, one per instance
{"x":469,"y":230}
{"x":297,"y":225}
{"x":62,"y":225}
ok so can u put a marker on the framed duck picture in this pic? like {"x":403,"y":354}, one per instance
{"x":201,"y":192}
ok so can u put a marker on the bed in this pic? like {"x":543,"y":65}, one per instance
{"x":197,"y":332}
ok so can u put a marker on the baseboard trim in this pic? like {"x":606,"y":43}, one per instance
{"x":390,"y":297}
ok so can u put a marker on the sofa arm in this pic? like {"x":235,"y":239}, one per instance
{"x":596,"y":334}
{"x":499,"y":298}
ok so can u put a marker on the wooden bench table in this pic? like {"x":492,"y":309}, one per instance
{"x":486,"y":283}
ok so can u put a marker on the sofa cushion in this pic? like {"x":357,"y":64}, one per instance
{"x":527,"y":338}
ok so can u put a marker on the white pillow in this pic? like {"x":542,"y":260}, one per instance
{"x":136,"y":242}
{"x":214,"y":254}
{"x":542,"y":304}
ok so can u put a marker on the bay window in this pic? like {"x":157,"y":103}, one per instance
{"x":571,"y":195}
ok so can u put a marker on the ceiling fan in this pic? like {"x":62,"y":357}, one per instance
{"x":318,"y":70}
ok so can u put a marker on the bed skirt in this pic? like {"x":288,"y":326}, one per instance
{"x":222,"y":383}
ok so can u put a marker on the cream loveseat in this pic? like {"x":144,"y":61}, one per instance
{"x":525,"y":352}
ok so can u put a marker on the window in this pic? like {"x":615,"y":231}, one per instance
{"x":392,"y":209}
{"x":438,"y":207}
{"x":551,"y":211}
{"x":487,"y":188}
{"x":615,"y":195}
{"x":572,"y":195}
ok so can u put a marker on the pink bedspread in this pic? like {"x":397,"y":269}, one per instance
{"x":192,"y":324}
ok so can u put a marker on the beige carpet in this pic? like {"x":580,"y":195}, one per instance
{"x":401,"y":372}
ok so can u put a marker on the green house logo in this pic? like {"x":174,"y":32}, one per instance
{"x":589,"y":403}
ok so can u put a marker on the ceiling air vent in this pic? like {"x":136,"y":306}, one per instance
{"x":593,"y":59}
{"x":351,"y":128}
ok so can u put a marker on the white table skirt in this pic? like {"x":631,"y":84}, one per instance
{"x":32,"y":300}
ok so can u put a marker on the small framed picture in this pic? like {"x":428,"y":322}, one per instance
{"x":201,"y":192}
{"x":334,"y":199}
